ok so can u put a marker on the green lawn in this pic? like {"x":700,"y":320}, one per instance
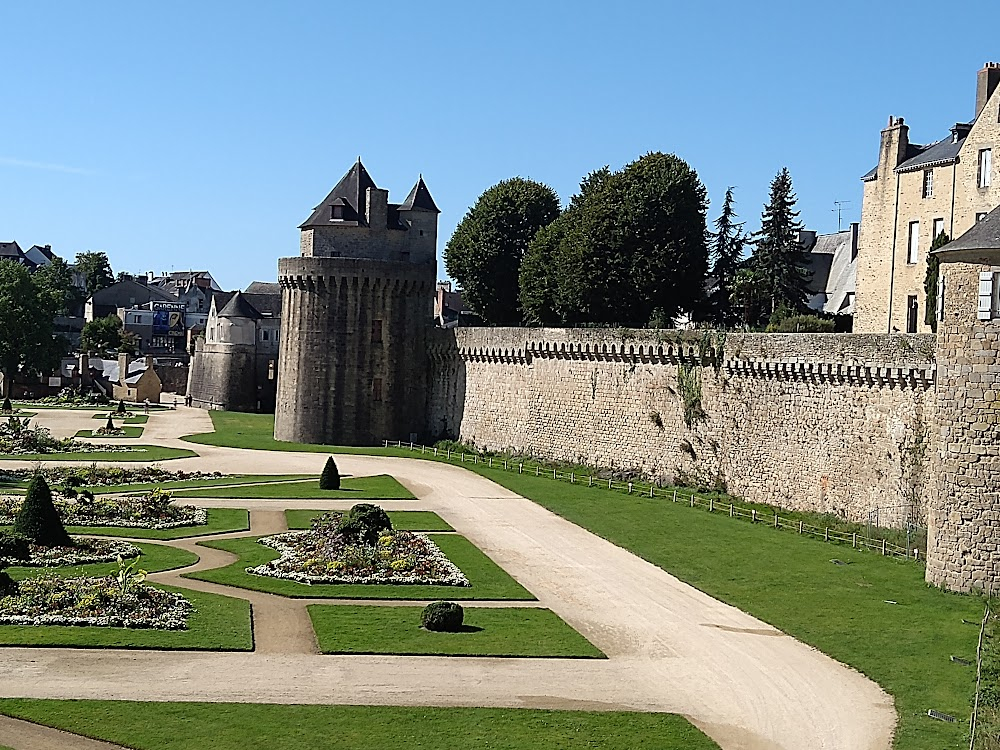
{"x":219,"y":623}
{"x":407,"y":520}
{"x":489,"y":580}
{"x":132,"y":418}
{"x":130,"y":432}
{"x":154,"y":558}
{"x":181,"y":484}
{"x":515,"y":631}
{"x":147,"y":453}
{"x":220,"y":521}
{"x":238,"y":726}
{"x":381,"y":487}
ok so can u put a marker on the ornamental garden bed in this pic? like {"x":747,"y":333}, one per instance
{"x":152,"y":510}
{"x":500,"y":632}
{"x":404,"y":520}
{"x":18,"y":439}
{"x":130,"y":418}
{"x":382,"y":487}
{"x":119,"y":432}
{"x":114,"y":477}
{"x":83,"y":551}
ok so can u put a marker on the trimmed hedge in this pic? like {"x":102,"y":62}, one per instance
{"x":442,"y":617}
{"x":38,"y":520}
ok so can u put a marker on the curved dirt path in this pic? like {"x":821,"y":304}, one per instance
{"x":670,"y":647}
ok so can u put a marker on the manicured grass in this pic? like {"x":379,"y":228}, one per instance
{"x":220,"y":521}
{"x":154,"y":558}
{"x":130,"y":432}
{"x":489,"y":580}
{"x":132,"y":417}
{"x":515,"y":631}
{"x":238,"y":726}
{"x":407,"y":520}
{"x":148,"y":453}
{"x":379,"y":487}
{"x":791,"y":583}
{"x":181,"y":484}
{"x":219,"y":623}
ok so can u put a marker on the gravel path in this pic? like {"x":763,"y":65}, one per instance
{"x":670,"y":647}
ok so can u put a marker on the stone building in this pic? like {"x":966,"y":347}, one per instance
{"x":357,"y":304}
{"x":964,"y":519}
{"x":914,"y":193}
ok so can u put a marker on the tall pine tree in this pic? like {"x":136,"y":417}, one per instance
{"x":726,"y":246}
{"x":779,"y":258}
{"x":931,"y":281}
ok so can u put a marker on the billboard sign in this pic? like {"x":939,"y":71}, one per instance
{"x":168,"y":319}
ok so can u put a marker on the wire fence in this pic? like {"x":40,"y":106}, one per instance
{"x":974,"y":719}
{"x":877,"y":544}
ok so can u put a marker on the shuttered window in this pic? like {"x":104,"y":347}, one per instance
{"x":988,"y":290}
{"x":939,"y":312}
{"x":985,"y":167}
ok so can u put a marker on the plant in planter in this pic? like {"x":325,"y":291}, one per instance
{"x":38,"y":520}
{"x":12,"y":547}
{"x":442,"y":617}
{"x":330,"y":478}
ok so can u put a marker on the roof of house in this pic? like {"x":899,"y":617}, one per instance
{"x":268,"y":305}
{"x":833,"y":272}
{"x":263,"y":287}
{"x":45,"y":250}
{"x":982,"y":239}
{"x":111,"y":371}
{"x":419,"y":199}
{"x":129,"y":289}
{"x":239,"y":307}
{"x":934,"y":154}
{"x":350,"y":192}
{"x":11,"y":251}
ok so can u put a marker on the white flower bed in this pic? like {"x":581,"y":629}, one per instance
{"x":429,"y":567}
{"x":74,"y":513}
{"x":86,"y":552}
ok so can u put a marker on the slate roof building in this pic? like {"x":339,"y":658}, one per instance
{"x":832,"y":264}
{"x":913,"y":194}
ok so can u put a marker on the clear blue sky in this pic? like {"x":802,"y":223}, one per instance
{"x":200,"y":134}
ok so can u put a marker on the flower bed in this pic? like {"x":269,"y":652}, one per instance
{"x":323,"y":555}
{"x":85,"y":552}
{"x":104,"y":476}
{"x":105,"y":602}
{"x":150,"y":511}
{"x":18,"y":438}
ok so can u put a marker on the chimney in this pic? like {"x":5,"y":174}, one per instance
{"x":895,"y":141}
{"x":377,"y":210}
{"x":986,"y":84}
{"x":122,"y":367}
{"x":807,"y":238}
{"x":855,"y":228}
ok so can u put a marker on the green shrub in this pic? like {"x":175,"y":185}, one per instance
{"x":110,"y":426}
{"x":330,"y":478}
{"x":802,"y":324}
{"x":442,"y":617}
{"x":12,"y":548}
{"x":38,"y":519}
{"x":7,"y":407}
{"x":121,"y":409}
{"x":364,"y":524}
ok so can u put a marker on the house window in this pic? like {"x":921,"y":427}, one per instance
{"x":376,"y":389}
{"x":338,"y":213}
{"x":985,"y":167}
{"x":263,"y":335}
{"x":989,"y":295}
{"x":913,"y":248}
{"x":376,"y":331}
{"x":911,"y":313}
{"x":938,"y":228}
{"x":928,"y":183}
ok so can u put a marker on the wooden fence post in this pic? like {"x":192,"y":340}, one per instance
{"x":826,"y":533}
{"x":753,"y":515}
{"x":854,"y":540}
{"x":883,"y":548}
{"x":730,"y":510}
{"x":775,"y":520}
{"x":630,"y":488}
{"x":800,"y":527}
{"x":711,"y":504}
{"x":650,"y":490}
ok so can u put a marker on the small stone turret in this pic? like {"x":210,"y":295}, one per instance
{"x":358,"y":304}
{"x":963,"y":549}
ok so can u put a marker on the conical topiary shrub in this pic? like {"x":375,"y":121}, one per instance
{"x":121,"y":408}
{"x":110,"y":426}
{"x":38,"y":520}
{"x":330,"y":478}
{"x":7,"y":407}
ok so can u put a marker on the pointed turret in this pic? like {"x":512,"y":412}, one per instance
{"x":346,"y":202}
{"x":238,"y":307}
{"x":419,"y":199}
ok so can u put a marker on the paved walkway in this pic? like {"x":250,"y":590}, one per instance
{"x":670,"y":647}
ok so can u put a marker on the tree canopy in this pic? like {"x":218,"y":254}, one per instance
{"x":56,"y":279}
{"x":726,"y":245}
{"x":931,"y":281}
{"x":779,"y":259}
{"x":629,"y":249}
{"x":27,"y":310}
{"x":484,"y":253}
{"x":96,"y":270}
{"x":106,"y":335}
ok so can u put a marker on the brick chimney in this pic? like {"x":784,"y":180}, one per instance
{"x":122,"y":367}
{"x":377,"y":210}
{"x":895,"y":141}
{"x":986,"y":84}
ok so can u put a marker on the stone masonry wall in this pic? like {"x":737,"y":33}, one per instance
{"x":964,"y":540}
{"x":834,"y":423}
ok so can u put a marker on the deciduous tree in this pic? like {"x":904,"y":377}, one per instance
{"x":107,"y":335}
{"x":96,"y":270}
{"x":27,"y":310}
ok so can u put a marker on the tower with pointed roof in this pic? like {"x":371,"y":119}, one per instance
{"x":357,"y":304}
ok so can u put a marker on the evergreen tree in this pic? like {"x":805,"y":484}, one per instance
{"x":726,"y":245}
{"x":778,"y":257}
{"x":38,"y":520}
{"x":931,"y":281}
{"x":330,"y":478}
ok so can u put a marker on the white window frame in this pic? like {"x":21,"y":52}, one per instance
{"x":928,"y":186}
{"x":913,"y":243}
{"x":938,"y":228}
{"x":985,"y":167}
{"x":989,"y":294}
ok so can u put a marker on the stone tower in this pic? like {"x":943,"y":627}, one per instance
{"x":963,"y":547}
{"x":357,"y":305}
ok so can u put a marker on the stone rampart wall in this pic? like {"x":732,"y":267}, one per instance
{"x":835,"y":423}
{"x":222,"y":376}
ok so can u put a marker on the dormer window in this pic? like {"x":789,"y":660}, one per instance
{"x":338,"y":213}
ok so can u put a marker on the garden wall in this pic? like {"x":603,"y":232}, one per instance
{"x":828,"y":422}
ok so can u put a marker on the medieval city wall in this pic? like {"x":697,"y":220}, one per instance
{"x":827,"y":422}
{"x":222,"y":377}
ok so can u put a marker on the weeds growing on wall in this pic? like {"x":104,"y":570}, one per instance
{"x":689,"y":387}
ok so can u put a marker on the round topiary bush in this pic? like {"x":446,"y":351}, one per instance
{"x":38,"y":520}
{"x":442,"y":617}
{"x":330,"y":478}
{"x":364,"y":523}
